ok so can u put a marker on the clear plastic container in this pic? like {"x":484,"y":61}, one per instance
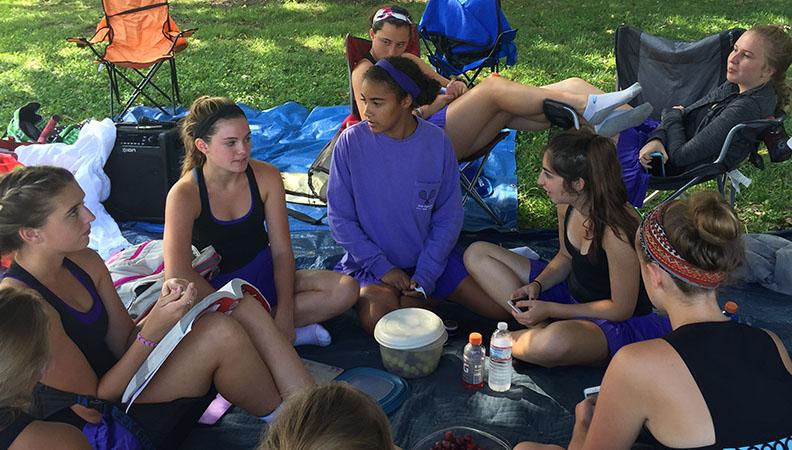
{"x":500,"y":368}
{"x":411,"y":341}
{"x":482,"y":439}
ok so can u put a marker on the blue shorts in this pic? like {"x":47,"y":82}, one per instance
{"x":449,"y":280}
{"x":439,"y":118}
{"x":618,"y":334}
{"x":260,"y":272}
{"x":635,"y":177}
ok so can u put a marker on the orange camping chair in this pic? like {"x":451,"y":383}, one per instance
{"x":140,"y":34}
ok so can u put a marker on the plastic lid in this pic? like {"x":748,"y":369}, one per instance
{"x":385,"y":388}
{"x":503,"y":326}
{"x":475,"y":338}
{"x":731,"y":307}
{"x":409,"y":328}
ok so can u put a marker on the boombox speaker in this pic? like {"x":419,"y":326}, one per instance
{"x":144,"y":164}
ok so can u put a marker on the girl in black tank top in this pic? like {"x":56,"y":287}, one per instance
{"x":588,"y":301}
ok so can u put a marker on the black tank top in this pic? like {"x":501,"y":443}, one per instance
{"x":237,"y":241}
{"x":86,"y":329}
{"x":370,"y":57}
{"x":15,"y":428}
{"x":743,"y":380}
{"x":589,"y":279}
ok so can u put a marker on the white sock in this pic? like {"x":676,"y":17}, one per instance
{"x":271,"y":416}
{"x":620,"y":120}
{"x":599,"y":106}
{"x":313,"y":334}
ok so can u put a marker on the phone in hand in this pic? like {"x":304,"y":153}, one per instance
{"x":512,"y":304}
{"x":591,"y":391}
{"x":658,"y":166}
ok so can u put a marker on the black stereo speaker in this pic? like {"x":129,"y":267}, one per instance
{"x":144,"y":164}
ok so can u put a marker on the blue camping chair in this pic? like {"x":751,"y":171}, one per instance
{"x":463,"y":36}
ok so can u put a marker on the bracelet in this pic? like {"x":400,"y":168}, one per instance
{"x":540,"y":285}
{"x":145,"y":341}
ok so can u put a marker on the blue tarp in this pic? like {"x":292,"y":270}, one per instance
{"x":290,"y":137}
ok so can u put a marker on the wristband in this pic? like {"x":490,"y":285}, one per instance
{"x":540,"y":285}
{"x":145,"y":341}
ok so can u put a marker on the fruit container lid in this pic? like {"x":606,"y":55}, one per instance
{"x":408,"y":329}
{"x":385,"y":388}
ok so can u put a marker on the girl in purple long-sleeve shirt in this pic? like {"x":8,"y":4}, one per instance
{"x":394,"y":201}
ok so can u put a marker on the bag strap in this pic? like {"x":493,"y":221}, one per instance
{"x":48,"y":400}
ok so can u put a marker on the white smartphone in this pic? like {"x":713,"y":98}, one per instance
{"x":513,"y":306}
{"x":590,"y":391}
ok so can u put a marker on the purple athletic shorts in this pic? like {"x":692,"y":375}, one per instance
{"x":618,"y":334}
{"x":450,"y":279}
{"x":259,"y":272}
{"x":439,"y":118}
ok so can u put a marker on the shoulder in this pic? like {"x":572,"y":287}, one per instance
{"x":89,"y":261}
{"x":643,"y":361}
{"x":362,"y":66}
{"x":185,"y":197}
{"x":561,"y":212}
{"x":619,"y":238}
{"x":41,"y":434}
{"x":353,"y":135}
{"x":782,"y":351}
{"x":268,"y":177}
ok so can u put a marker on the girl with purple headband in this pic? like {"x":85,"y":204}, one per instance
{"x":473,"y":118}
{"x":712,"y":383}
{"x":394,"y":201}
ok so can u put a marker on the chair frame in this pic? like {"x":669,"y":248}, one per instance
{"x":146,"y":79}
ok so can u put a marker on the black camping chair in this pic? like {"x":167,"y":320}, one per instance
{"x":461,"y":37}
{"x":673,"y":73}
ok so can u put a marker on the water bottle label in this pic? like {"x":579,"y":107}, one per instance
{"x":500,"y":354}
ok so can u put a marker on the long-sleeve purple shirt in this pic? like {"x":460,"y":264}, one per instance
{"x":395,"y":202}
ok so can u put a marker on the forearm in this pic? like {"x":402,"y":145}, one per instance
{"x":600,"y":309}
{"x":112,"y":385}
{"x":202,"y":286}
{"x":284,"y":285}
{"x":556,"y":272}
{"x":578,"y":440}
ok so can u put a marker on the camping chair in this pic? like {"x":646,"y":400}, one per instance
{"x":140,"y":34}
{"x":677,"y":73}
{"x":463,"y":36}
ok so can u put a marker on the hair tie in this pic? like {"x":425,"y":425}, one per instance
{"x":225,"y":111}
{"x":386,"y":13}
{"x":401,"y":78}
{"x":658,"y":248}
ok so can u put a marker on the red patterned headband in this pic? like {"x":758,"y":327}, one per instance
{"x":657,"y":247}
{"x":386,"y":13}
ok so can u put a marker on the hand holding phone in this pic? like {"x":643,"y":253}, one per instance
{"x":512,"y":304}
{"x":591,"y":391}
{"x":658,"y":165}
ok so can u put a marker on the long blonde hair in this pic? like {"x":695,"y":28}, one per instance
{"x":24,"y":348}
{"x":329,"y":417}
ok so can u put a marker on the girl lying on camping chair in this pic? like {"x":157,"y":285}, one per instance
{"x":394,"y":202}
{"x":473,"y":118}
{"x":96,"y":348}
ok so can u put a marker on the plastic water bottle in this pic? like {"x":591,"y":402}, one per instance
{"x":730,"y":311}
{"x":473,"y":363}
{"x":500,"y":370}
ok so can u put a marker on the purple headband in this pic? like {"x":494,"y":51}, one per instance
{"x":401,"y":78}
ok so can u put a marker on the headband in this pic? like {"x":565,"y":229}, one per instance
{"x":401,"y":78}
{"x":225,"y":111}
{"x":387,"y":13}
{"x":658,"y":248}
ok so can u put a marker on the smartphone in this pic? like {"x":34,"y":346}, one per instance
{"x":591,"y":391}
{"x":658,"y":166}
{"x":511,"y":302}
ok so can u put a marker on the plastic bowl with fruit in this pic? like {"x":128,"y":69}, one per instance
{"x":461,"y":438}
{"x":411,"y":341}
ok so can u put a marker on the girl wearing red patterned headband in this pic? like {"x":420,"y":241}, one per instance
{"x":472,"y":119}
{"x":588,"y":301}
{"x":710,"y":384}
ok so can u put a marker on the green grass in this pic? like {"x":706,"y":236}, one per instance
{"x":265,"y":53}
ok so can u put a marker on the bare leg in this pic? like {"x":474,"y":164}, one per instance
{"x":470,"y":295}
{"x":375,"y":301}
{"x":566,"y":342}
{"x":536,"y":446}
{"x":287,"y":369}
{"x":497,"y":270}
{"x":217,"y":351}
{"x":479,"y":110}
{"x":321,"y":295}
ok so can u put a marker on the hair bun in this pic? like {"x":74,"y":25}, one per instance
{"x":713,"y":219}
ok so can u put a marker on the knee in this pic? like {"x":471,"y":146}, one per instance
{"x":475,"y":254}
{"x":346,"y":292}
{"x":573,"y":84}
{"x":221,"y":331}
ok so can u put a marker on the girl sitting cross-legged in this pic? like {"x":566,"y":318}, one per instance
{"x":588,"y":301}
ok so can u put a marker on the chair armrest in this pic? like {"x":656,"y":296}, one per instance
{"x":79,"y":41}
{"x":758,"y":126}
